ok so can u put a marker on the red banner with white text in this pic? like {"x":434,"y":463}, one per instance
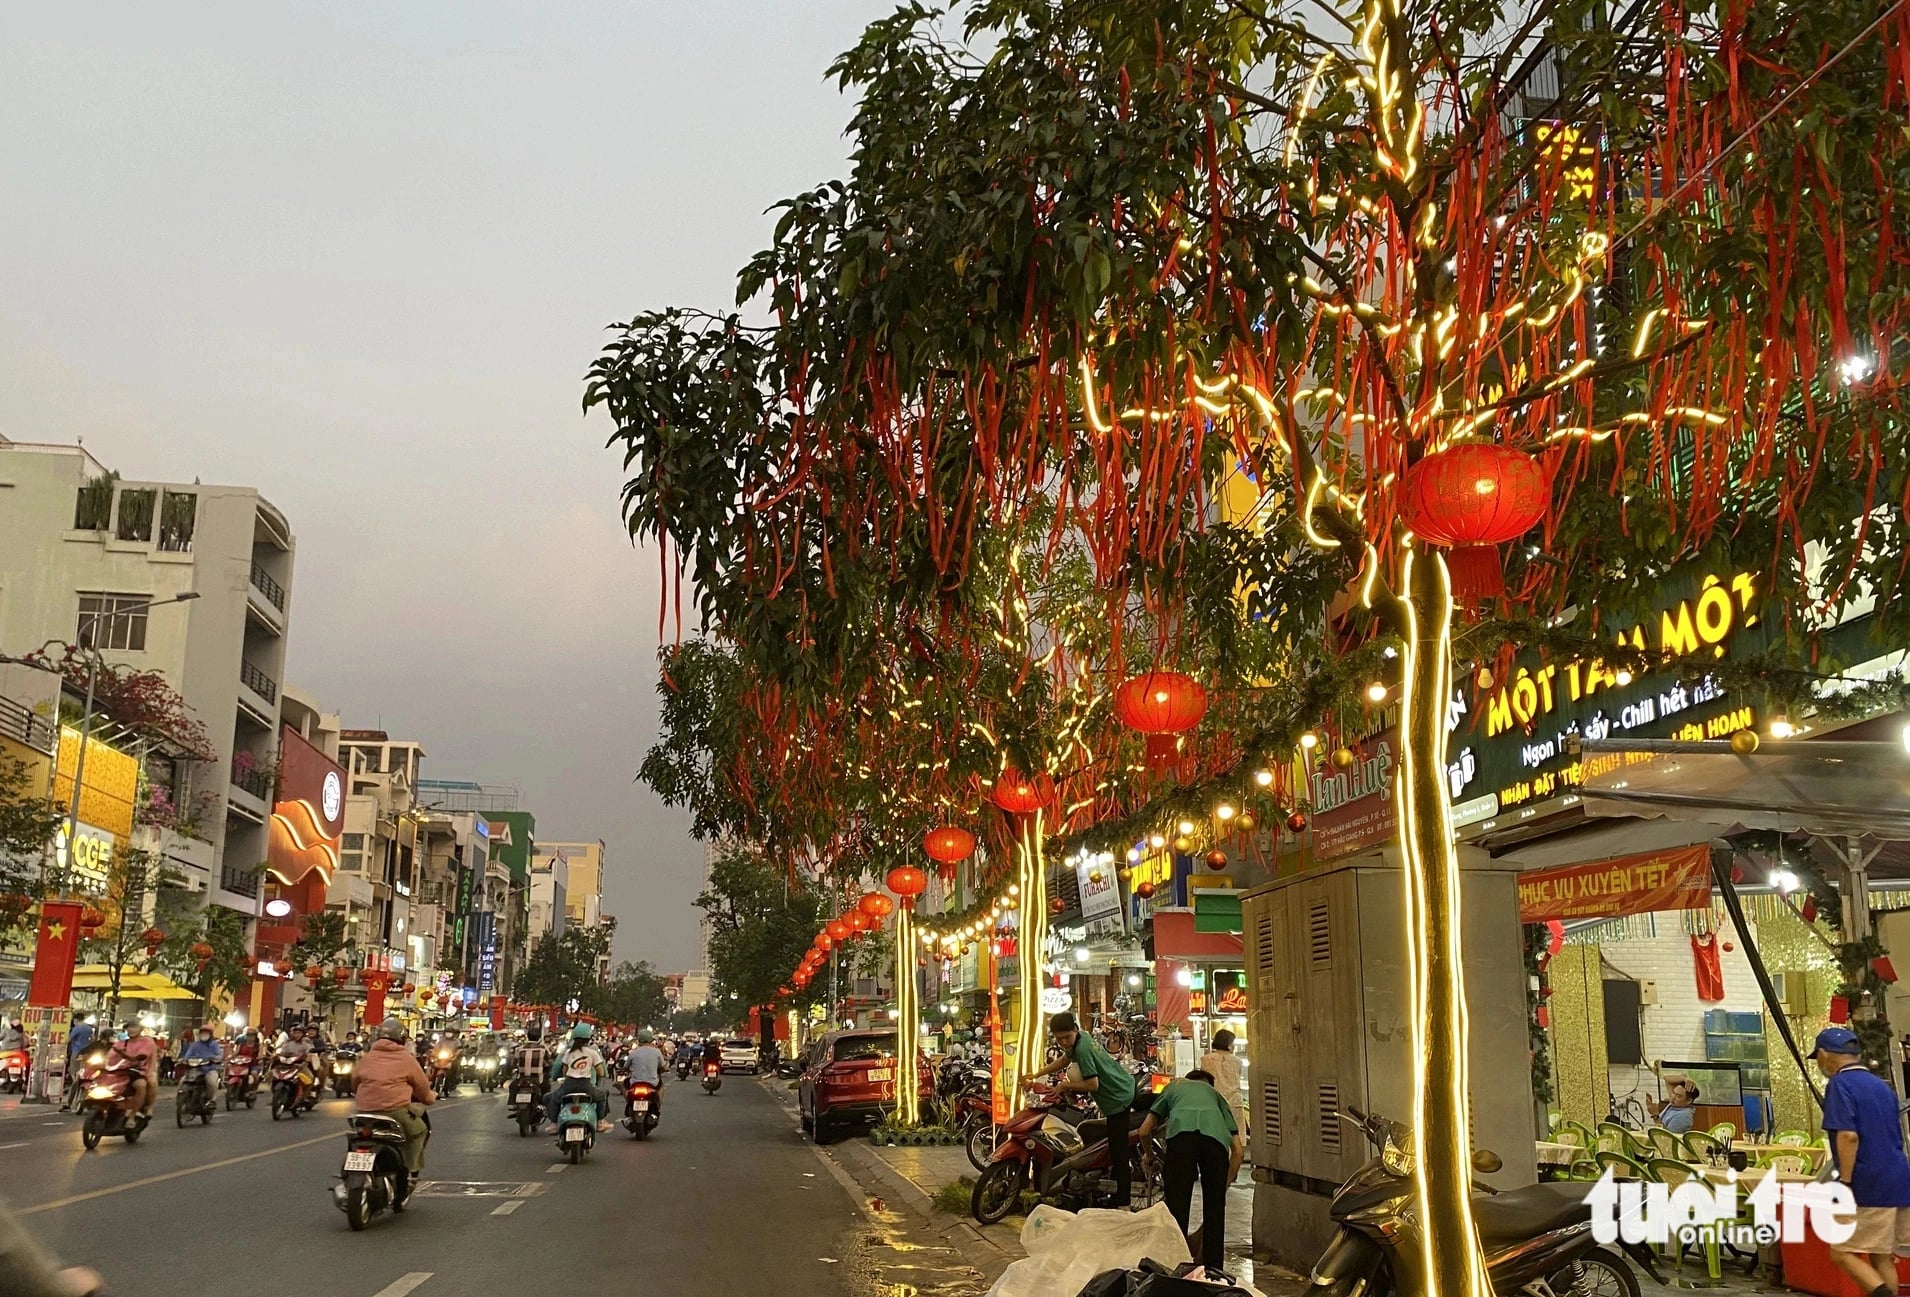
{"x":1678,"y":878}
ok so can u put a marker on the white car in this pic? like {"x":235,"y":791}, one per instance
{"x":740,"y":1056}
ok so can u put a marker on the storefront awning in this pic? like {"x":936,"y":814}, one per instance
{"x":133,"y":984}
{"x":1176,"y":937}
{"x":1823,"y":787}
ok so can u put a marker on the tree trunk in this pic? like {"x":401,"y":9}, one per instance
{"x":1450,"y":1254}
{"x":1031,"y":933}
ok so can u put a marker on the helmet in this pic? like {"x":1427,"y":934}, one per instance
{"x":580,"y":1032}
{"x":533,"y":1030}
{"x":645,"y":1036}
{"x":392,"y":1029}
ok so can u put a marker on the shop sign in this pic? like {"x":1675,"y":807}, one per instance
{"x":1100,"y":899}
{"x":1230,"y":992}
{"x":1514,"y":746}
{"x":1678,"y":878}
{"x":1055,"y":999}
{"x":90,"y":859}
{"x":1353,"y":808}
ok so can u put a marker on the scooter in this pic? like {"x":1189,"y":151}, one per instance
{"x":193,"y":1098}
{"x":641,"y":1110}
{"x":292,"y":1087}
{"x":486,"y":1069}
{"x":374,"y":1178}
{"x":712,"y":1077}
{"x":241,"y":1082}
{"x":344,"y":1071}
{"x":87,"y":1067}
{"x":444,"y":1072}
{"x":110,"y":1109}
{"x":576,"y":1126}
{"x":527,"y":1103}
{"x":1538,"y":1240}
{"x":13,"y":1071}
{"x":683,"y":1066}
{"x":1061,"y":1153}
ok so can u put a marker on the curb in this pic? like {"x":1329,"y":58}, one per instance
{"x":880,"y":1179}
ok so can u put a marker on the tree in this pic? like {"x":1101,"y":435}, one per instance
{"x":322,"y":940}
{"x":227,"y":969}
{"x":634,"y":994}
{"x":760,"y":926}
{"x":563,"y":967}
{"x":142,"y":895}
{"x":28,"y":822}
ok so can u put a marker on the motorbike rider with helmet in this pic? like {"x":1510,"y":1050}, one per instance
{"x":201,"y":1049}
{"x":531,"y":1061}
{"x":645,"y":1064}
{"x":140,"y":1053}
{"x":297,"y":1047}
{"x":583,"y":1071}
{"x":388,"y":1081}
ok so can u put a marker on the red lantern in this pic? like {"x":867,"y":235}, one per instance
{"x":429,"y":997}
{"x":1217,"y":859}
{"x":152,"y":939}
{"x":837,"y":928}
{"x":91,"y":920}
{"x":312,"y":973}
{"x":876,"y":905}
{"x":1057,"y":905}
{"x":1297,"y":822}
{"x":1161,"y":705}
{"x":1470,"y":498}
{"x":825,"y":942}
{"x":341,"y":975}
{"x":948,"y":845}
{"x":907,"y":882}
{"x":201,"y":953}
{"x":1017,"y":794}
{"x":859,"y":921}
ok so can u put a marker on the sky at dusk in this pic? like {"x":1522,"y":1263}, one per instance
{"x":359,"y":256}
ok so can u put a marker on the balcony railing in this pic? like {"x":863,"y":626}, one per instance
{"x":258,"y":682}
{"x":272,"y":590}
{"x":18,"y":722}
{"x":256,"y":782}
{"x":237,"y":878}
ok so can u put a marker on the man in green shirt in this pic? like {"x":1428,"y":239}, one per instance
{"x":1112,"y":1088}
{"x":1204,"y":1141}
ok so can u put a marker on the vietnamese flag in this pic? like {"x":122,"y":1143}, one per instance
{"x":55,"y":954}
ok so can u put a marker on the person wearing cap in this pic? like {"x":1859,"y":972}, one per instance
{"x":1866,"y":1144}
{"x":1108,"y":1083}
{"x":388,"y":1080}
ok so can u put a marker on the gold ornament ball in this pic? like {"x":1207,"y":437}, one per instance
{"x":1183,"y":845}
{"x":1245,"y":822}
{"x":1344,"y":758}
{"x":1744,"y":742}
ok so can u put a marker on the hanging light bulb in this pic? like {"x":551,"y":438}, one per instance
{"x":1185,"y":828}
{"x":1014,"y":889}
{"x":1622,"y":676}
{"x":1264,"y":778}
{"x":1134,"y":853}
{"x":1157,"y":840}
{"x":1309,"y":741}
{"x":1224,"y":812}
{"x":1781,"y":727}
{"x":1376,"y":692}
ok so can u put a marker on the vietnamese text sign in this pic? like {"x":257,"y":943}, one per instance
{"x":1675,"y":879}
{"x":1101,"y":898}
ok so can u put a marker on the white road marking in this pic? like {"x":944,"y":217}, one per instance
{"x":404,"y":1284}
{"x":5,"y":1147}
{"x":508,"y":1207}
{"x":553,"y":1170}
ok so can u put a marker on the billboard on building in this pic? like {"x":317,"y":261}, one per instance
{"x":308,"y":819}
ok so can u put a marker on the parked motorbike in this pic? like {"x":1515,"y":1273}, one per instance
{"x":193,"y":1098}
{"x":374,"y":1178}
{"x":14,"y":1064}
{"x":642,"y":1109}
{"x":788,"y":1068}
{"x":344,"y":1071}
{"x":1062,"y":1154}
{"x":576,"y":1126}
{"x":487,"y":1073}
{"x":1538,"y":1240}
{"x":241,"y":1082}
{"x":293,"y":1086}
{"x":110,"y":1108}
{"x":712,"y":1077}
{"x":527,"y":1103}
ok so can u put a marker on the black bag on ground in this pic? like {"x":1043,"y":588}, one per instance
{"x":1152,"y":1279}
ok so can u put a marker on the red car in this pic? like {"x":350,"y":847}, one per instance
{"x":849,"y":1080}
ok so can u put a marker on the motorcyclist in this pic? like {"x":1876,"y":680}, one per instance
{"x":202,"y":1048}
{"x":14,"y":1037}
{"x":299,"y":1049}
{"x":645,"y":1064}
{"x":139,"y":1053}
{"x":532,"y":1058}
{"x":390,"y":1081}
{"x":450,"y":1043}
{"x":583,"y":1070}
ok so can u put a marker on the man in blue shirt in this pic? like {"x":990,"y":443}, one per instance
{"x":1680,"y":1104}
{"x":1866,"y":1142}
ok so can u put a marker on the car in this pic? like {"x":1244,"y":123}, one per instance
{"x":739,"y":1055}
{"x":848,"y":1079}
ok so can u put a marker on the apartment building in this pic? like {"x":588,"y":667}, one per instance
{"x":584,"y":892}
{"x":550,"y":893}
{"x":82,"y":554}
{"x":380,"y":843}
{"x":497,"y":920}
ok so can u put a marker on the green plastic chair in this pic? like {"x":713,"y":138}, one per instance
{"x":1792,"y":1138}
{"x":1724,"y":1130}
{"x":1569,"y":1131}
{"x":1671,"y":1171}
{"x":1583,"y":1169}
{"x":1700,"y":1146}
{"x":1665,"y":1143}
{"x":1614,"y":1138}
{"x":1794,"y":1163}
{"x":1621,"y":1165}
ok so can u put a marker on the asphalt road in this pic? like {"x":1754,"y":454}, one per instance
{"x":724,"y":1197}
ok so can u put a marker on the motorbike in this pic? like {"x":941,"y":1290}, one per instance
{"x":576,"y":1126}
{"x":527,"y":1103}
{"x":293,"y":1089}
{"x":641,"y":1110}
{"x":444,"y":1071}
{"x":683,"y":1066}
{"x":13,"y":1070}
{"x":193,"y":1098}
{"x":1538,"y":1240}
{"x":712,"y":1077}
{"x":241,"y":1082}
{"x":487,"y":1072}
{"x":1062,"y":1154}
{"x":374,"y":1178}
{"x":110,"y":1109}
{"x":788,"y":1069}
{"x":344,"y":1071}
{"x":85,"y":1068}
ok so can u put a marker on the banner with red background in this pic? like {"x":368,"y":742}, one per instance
{"x":1678,"y":878}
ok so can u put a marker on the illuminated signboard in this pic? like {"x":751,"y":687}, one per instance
{"x":90,"y":860}
{"x":1573,"y":150}
{"x":308,"y":819}
{"x":111,"y":783}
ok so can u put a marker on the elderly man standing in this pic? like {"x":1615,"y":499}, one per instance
{"x":1866,"y":1142}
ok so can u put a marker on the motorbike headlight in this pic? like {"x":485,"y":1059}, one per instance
{"x":100,"y":1092}
{"x":343,"y":1067}
{"x":1396,"y":1160}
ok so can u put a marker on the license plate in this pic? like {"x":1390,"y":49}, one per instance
{"x":574,"y":1134}
{"x":881,"y":1074}
{"x":522,"y":1096}
{"x":357,"y":1161}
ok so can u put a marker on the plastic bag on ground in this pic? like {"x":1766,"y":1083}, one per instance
{"x":1067,"y":1249}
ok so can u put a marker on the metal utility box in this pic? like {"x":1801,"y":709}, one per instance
{"x":1329,"y":1026}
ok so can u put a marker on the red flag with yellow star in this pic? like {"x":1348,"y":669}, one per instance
{"x":54,"y":955}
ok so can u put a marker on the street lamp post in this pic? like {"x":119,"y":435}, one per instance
{"x":43,"y":1036}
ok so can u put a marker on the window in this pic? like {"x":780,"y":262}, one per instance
{"x":113,"y":621}
{"x":354,"y":842}
{"x":851,"y":1049}
{"x":178,"y":514}
{"x":136,"y":514}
